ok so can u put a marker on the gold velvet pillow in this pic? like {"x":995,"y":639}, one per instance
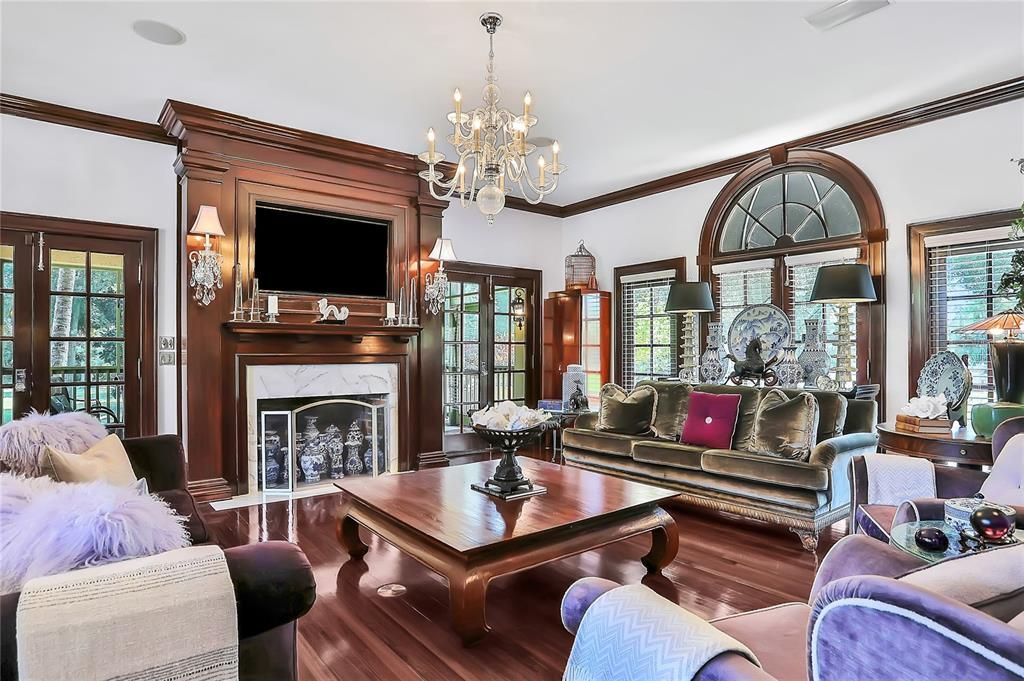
{"x":627,"y":413}
{"x":105,"y":460}
{"x":786,"y":428}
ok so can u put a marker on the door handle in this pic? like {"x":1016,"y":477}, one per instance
{"x":20,"y":380}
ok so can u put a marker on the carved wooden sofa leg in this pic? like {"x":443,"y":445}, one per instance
{"x":808,"y":538}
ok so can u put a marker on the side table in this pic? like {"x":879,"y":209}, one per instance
{"x":961,"y":446}
{"x":902,"y":537}
{"x":561,"y":421}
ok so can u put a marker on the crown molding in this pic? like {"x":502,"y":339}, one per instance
{"x":24,"y":107}
{"x":178,"y":119}
{"x":980,"y":98}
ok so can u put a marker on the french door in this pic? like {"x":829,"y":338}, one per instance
{"x":72,"y":327}
{"x":489,"y":347}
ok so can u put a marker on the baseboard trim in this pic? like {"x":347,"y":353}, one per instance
{"x":212,"y":489}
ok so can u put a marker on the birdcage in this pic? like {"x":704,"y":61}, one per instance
{"x":580,"y":269}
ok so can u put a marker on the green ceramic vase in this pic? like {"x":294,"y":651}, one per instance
{"x":985,"y":417}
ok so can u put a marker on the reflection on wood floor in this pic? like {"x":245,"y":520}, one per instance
{"x":724,"y":565}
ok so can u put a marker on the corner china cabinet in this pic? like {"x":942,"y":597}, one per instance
{"x":577,"y":330}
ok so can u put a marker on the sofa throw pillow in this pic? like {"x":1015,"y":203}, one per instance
{"x":991,"y":581}
{"x":785,"y":427}
{"x":48,"y":527}
{"x":106,"y":460}
{"x":627,"y":413}
{"x":23,"y":441}
{"x":711,"y":420}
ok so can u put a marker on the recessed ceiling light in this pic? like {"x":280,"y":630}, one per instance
{"x":158,"y":32}
{"x":848,"y":10}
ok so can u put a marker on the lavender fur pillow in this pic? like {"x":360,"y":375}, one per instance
{"x":48,"y":527}
{"x":23,"y":441}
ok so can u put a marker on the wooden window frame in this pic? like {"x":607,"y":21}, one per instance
{"x":676,"y":264}
{"x":146,"y":237}
{"x":917,"y":232}
{"x":871,"y":242}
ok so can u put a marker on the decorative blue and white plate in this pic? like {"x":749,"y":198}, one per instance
{"x":766,"y":322}
{"x":945,"y":373}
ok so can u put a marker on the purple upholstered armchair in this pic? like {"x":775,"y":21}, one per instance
{"x":876,"y":518}
{"x":273,"y":581}
{"x":861,"y":623}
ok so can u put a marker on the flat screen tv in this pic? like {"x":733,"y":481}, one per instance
{"x":304,"y":251}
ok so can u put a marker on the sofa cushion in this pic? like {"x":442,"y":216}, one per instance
{"x":749,"y":397}
{"x":106,"y":460}
{"x":673,"y":397}
{"x":710,"y":420}
{"x":874,"y":520}
{"x":832,"y":409}
{"x":616,"y":444}
{"x":785,"y":427}
{"x":668,"y":454}
{"x":627,"y":413}
{"x":748,"y":466}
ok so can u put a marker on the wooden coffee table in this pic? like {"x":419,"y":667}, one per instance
{"x":471,"y":538}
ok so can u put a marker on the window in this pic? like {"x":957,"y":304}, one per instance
{"x":775,"y":224}
{"x":955,"y":269}
{"x":647,"y":337}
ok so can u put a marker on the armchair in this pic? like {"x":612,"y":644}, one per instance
{"x":273,"y":581}
{"x":860,"y":623}
{"x":877,"y":519}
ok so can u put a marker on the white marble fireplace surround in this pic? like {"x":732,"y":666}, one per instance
{"x":271,"y":381}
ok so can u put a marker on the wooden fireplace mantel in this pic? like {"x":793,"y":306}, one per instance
{"x":300,"y":332}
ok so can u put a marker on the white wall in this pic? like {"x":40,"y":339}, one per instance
{"x":60,"y":171}
{"x":516,"y":239}
{"x":955,"y":166}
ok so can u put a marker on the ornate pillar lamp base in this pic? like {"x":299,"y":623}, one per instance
{"x":508,"y":481}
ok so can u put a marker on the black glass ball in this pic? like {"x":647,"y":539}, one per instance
{"x":931,"y":539}
{"x":991,"y":523}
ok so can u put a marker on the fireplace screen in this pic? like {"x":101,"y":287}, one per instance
{"x":312,"y":441}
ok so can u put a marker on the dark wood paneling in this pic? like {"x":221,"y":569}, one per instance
{"x":24,"y":107}
{"x":146,"y":238}
{"x":965,"y":102}
{"x":917,"y":232}
{"x":677,"y":264}
{"x":563,"y":337}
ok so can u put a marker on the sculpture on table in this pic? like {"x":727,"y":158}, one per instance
{"x":331,"y":313}
{"x":577,"y":400}
{"x":753,"y":366}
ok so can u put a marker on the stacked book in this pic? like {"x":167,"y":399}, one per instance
{"x":916,"y":424}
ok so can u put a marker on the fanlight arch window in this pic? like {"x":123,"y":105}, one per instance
{"x":786,"y":208}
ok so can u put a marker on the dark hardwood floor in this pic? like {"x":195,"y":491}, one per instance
{"x":725,"y":565}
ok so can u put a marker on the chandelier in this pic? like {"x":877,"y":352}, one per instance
{"x":494,"y":142}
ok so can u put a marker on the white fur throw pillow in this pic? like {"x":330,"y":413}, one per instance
{"x":48,"y":527}
{"x":23,"y":441}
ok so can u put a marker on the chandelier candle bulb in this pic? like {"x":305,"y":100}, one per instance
{"x":527,"y":101}
{"x":458,"y":108}
{"x":462,"y":179}
{"x":430,"y":142}
{"x":554,"y":157}
{"x":540,"y":163}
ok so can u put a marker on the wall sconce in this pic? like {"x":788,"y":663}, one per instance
{"x":435,"y":289}
{"x":519,"y":308}
{"x":206,"y":264}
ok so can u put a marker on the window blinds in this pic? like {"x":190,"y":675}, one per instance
{"x":962,"y":283}
{"x":801,"y":282}
{"x":649,"y":335}
{"x":737,"y":289}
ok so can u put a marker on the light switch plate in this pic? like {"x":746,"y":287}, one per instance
{"x":167,"y":359}
{"x":166,"y":343}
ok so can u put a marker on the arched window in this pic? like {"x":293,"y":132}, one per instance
{"x":780,"y":219}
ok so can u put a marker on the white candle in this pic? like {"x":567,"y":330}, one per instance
{"x":391,"y":311}
{"x":271,"y":304}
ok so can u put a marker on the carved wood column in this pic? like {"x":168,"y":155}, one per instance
{"x":431,"y":343}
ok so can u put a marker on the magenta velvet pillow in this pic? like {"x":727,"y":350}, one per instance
{"x":710,"y":420}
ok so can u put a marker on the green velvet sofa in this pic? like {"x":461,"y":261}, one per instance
{"x":803,"y":496}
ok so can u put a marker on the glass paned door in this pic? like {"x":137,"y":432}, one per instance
{"x":86,"y":316}
{"x":464,"y":363}
{"x":510,"y":345}
{"x":15,"y":324}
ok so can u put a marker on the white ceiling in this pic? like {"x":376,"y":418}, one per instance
{"x":632,"y":90}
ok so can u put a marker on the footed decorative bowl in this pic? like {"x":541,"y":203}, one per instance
{"x":508,"y":481}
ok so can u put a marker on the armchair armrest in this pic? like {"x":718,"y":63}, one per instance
{"x":587,"y":421}
{"x":580,"y":595}
{"x":854,"y":618}
{"x":951,"y":483}
{"x":860,"y":555}
{"x":159,"y":459}
{"x":274,"y":585}
{"x":831,"y":451}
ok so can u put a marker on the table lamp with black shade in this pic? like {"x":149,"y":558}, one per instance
{"x":843,"y":285}
{"x":686,"y":298}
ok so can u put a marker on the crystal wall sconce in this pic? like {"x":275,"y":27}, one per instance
{"x":435,"y":288}
{"x":206,"y":264}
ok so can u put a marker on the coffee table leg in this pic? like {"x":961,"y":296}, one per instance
{"x":348,"y":536}
{"x":664,"y":543}
{"x":469,"y":598}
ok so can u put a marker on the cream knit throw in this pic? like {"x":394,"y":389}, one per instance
{"x":894,"y":479}
{"x":169,"y":616}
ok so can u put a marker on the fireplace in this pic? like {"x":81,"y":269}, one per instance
{"x":312,"y":424}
